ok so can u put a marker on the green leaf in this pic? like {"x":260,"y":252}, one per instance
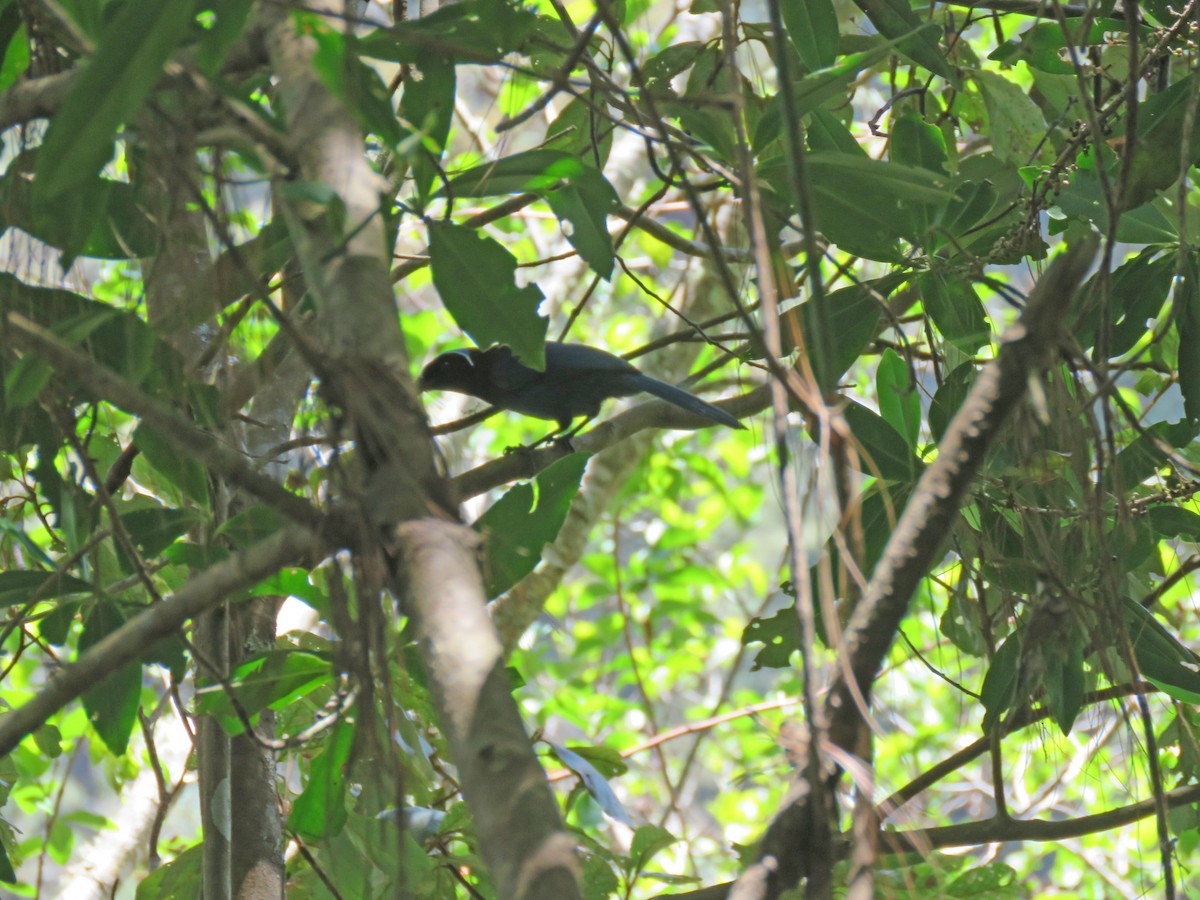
{"x":273,"y":679}
{"x":519,"y":525}
{"x":1162,"y":659}
{"x":1083,"y":198}
{"x":251,"y":525}
{"x":49,"y":741}
{"x":881,"y":445}
{"x":179,"y":879}
{"x":813,"y":90}
{"x":222,"y":34}
{"x":476,"y":278}
{"x":1016,"y":125}
{"x":648,"y":841}
{"x":115,"y":225}
{"x":1046,"y":47}
{"x":1187,"y":324}
{"x":999,"y":691}
{"x":917,"y":40}
{"x":428,"y":106}
{"x":1137,"y":292}
{"x":899,"y":400}
{"x":583,"y":205}
{"x":1063,"y":679}
{"x":579,"y":130}
{"x":19,"y":586}
{"x":850,"y":317}
{"x":182,"y":470}
{"x":593,"y":782}
{"x":534,"y":170}
{"x":108,"y":89}
{"x":813,"y":27}
{"x":355,"y":84}
{"x":477,"y":31}
{"x":664,"y":65}
{"x":956,"y":310}
{"x":949,"y":397}
{"x":118,"y":340}
{"x":862,"y":204}
{"x":1175,"y":521}
{"x":917,"y":143}
{"x":780,"y":636}
{"x":153,"y":529}
{"x":826,"y":132}
{"x":320,"y":811}
{"x":111,"y":705}
{"x":1143,"y":457}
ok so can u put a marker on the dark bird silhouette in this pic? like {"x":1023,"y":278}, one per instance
{"x":577,"y":379}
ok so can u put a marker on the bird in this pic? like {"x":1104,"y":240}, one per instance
{"x":576,"y":380}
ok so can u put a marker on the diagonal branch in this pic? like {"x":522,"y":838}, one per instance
{"x":1025,"y":351}
{"x":158,"y":621}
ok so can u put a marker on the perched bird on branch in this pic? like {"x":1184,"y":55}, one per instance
{"x":577,"y":379}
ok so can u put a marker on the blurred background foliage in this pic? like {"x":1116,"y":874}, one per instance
{"x":557,"y":169}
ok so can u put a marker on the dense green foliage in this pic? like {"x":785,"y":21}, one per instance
{"x":853,"y":200}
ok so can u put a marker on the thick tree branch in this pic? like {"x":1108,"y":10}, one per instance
{"x":653,"y":414}
{"x":1025,"y":351}
{"x":528,"y":852}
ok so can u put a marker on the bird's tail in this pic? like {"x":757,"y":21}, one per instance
{"x":684,"y":400}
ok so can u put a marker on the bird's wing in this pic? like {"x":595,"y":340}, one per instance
{"x":505,"y":372}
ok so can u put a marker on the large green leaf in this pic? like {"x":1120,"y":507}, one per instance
{"x":956,"y":310}
{"x":119,"y":340}
{"x":518,"y":525}
{"x":949,"y":397}
{"x":899,"y":399}
{"x":320,"y":811}
{"x":533,"y":170}
{"x":1160,"y":656}
{"x":21,"y":586}
{"x":886,"y":451}
{"x":273,"y":679}
{"x":583,"y":205}
{"x":477,"y":31}
{"x":999,"y":691}
{"x":1063,"y":679}
{"x":476,"y":278}
{"x":917,"y":40}
{"x":813,"y":27}
{"x":180,"y":879}
{"x":112,"y":704}
{"x":1017,"y":126}
{"x":581,"y":131}
{"x":116,"y":220}
{"x":1187,"y":324}
{"x":108,"y":89}
{"x":155,"y":528}
{"x":427,"y":105}
{"x":1048,"y":47}
{"x":840,"y":325}
{"x":355,"y":84}
{"x":183,"y":471}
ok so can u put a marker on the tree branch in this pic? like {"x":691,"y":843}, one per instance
{"x":132,"y":640}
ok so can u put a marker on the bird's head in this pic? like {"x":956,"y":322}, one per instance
{"x":457,"y":370}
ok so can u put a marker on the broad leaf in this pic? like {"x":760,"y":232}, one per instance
{"x":476,"y":278}
{"x":519,"y":525}
{"x":112,"y":704}
{"x":107,"y":91}
{"x":320,"y":811}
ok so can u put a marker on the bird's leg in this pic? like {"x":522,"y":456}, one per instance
{"x":565,"y":437}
